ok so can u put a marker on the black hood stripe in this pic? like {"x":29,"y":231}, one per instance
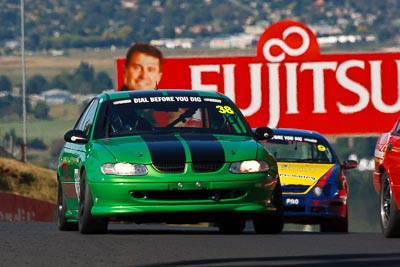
{"x":160,"y":147}
{"x":204,"y":148}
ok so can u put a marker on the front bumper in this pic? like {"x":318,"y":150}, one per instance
{"x":130,"y":200}
{"x":376,"y":181}
{"x":304,"y":210}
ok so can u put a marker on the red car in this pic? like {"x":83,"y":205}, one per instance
{"x":386,"y":179}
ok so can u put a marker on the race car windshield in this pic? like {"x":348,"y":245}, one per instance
{"x":158,"y":116}
{"x":299,"y":149}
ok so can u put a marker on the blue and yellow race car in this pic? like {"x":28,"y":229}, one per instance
{"x":314,"y":185}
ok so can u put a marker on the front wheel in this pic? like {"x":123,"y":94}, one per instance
{"x":89,"y":224}
{"x":268,"y":224}
{"x":271,"y":223}
{"x":338,"y":225}
{"x":232,"y":225}
{"x":390,"y":215}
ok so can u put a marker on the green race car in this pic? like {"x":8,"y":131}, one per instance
{"x":167,"y":156}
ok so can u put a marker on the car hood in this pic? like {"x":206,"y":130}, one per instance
{"x":173,"y":148}
{"x":305,"y":174}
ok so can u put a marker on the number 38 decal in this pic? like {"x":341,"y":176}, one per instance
{"x":224,"y":109}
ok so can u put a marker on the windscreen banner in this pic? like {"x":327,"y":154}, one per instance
{"x":290,"y":84}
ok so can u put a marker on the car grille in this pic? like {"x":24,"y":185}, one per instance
{"x":207,"y":166}
{"x":203,"y":194}
{"x":294,"y":188}
{"x":180,"y":167}
{"x":294,"y":208}
{"x":170,"y":167}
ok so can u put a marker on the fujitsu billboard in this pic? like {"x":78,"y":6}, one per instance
{"x":289,"y":84}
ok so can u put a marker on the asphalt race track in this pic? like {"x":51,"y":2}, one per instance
{"x":41,"y":244}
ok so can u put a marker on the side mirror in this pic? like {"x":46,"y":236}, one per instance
{"x":263,"y":133}
{"x":350,"y":164}
{"x":76,"y":136}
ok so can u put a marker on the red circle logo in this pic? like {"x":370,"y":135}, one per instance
{"x":288,"y":40}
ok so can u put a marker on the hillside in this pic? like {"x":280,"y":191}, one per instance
{"x":27,"y":180}
{"x":52,"y":24}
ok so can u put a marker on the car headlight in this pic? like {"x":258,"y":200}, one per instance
{"x":123,"y":168}
{"x":322,"y":186}
{"x":249,"y":166}
{"x":329,"y":190}
{"x":317,"y":191}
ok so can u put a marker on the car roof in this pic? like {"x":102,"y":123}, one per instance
{"x":298,"y":132}
{"x":161,"y":92}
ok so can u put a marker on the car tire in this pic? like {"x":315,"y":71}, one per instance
{"x":268,"y":224}
{"x":271,"y":223}
{"x":89,"y":224}
{"x":389,"y":213}
{"x":337,"y":225}
{"x":62,"y":222}
{"x":232,"y":225}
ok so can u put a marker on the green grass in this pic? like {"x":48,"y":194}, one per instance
{"x":51,"y":131}
{"x":62,"y":119}
{"x":46,"y":130}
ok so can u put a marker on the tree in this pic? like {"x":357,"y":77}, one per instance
{"x":82,"y":79}
{"x":36,"y":84}
{"x":86,"y":71}
{"x":5,"y":83}
{"x":34,"y":41}
{"x":61,"y":81}
{"x":37,"y":143}
{"x":123,"y":32}
{"x":102,"y":82}
{"x":11,"y":138}
{"x":41,"y":110}
{"x":12,"y":106}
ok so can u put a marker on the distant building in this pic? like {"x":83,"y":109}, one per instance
{"x":174,"y":43}
{"x":57,"y":96}
{"x":81,"y":99}
{"x":12,"y":44}
{"x":220,"y":42}
{"x":233,"y":41}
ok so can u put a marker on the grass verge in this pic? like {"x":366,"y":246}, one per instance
{"x":28,"y":180}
